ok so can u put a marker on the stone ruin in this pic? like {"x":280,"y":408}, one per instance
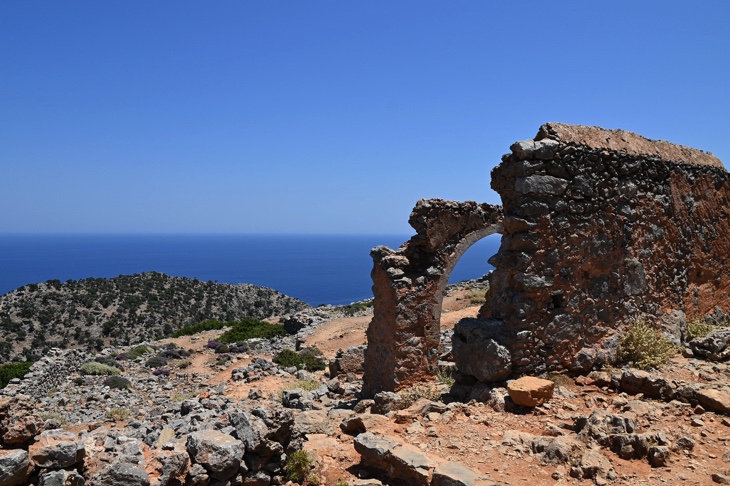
{"x":599,"y":228}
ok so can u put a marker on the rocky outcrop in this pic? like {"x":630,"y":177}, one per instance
{"x":408,"y":284}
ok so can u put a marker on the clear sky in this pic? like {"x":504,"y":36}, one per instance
{"x":324,"y":116}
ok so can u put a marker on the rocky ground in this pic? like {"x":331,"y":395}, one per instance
{"x":233,"y":419}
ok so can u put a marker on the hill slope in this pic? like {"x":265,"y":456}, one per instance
{"x":95,"y":312}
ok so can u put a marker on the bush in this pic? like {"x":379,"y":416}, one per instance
{"x":298,"y":465}
{"x":251,"y":329}
{"x":444,"y":377}
{"x":477,"y":296}
{"x":118,"y":382}
{"x":156,"y":362}
{"x":209,"y":325}
{"x":94,"y":368}
{"x":109,"y":361}
{"x":644,"y":346}
{"x":139,"y":351}
{"x":698,"y":328}
{"x":412,"y":394}
{"x":161,"y":372}
{"x":117,"y":414}
{"x":8,"y":371}
{"x":309,"y":358}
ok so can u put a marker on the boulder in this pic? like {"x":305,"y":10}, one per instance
{"x":479,"y":349}
{"x":529,"y":391}
{"x":453,"y":474}
{"x":61,"y":478}
{"x":713,"y":400}
{"x":121,"y":474}
{"x":57,"y":449}
{"x":15,"y":467}
{"x":220,"y":454}
{"x":361,"y":423}
{"x":396,"y":460}
{"x":349,"y":361}
{"x":714,"y":346}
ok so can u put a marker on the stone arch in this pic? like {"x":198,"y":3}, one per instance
{"x":408,"y":286}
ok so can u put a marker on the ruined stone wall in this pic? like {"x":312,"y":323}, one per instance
{"x":408,"y":285}
{"x":47,"y":373}
{"x":602,"y":227}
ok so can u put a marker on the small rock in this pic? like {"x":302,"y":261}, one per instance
{"x":529,"y":391}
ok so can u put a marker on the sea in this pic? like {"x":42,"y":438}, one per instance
{"x":318,"y":269}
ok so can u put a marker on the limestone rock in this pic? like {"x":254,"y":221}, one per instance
{"x":529,"y":391}
{"x":61,"y":478}
{"x":121,"y":474}
{"x":219,"y":453}
{"x":15,"y":467}
{"x":478,"y":350}
{"x":349,"y":361}
{"x":56,"y":449}
{"x":453,"y":474}
{"x":714,"y":346}
{"x":397,"y":461}
{"x":714,"y":400}
{"x":594,"y":465}
{"x":362,"y":423}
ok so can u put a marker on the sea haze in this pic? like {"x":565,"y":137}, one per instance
{"x":319,"y":269}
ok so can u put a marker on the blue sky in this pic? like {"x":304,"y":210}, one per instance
{"x":324,"y":116}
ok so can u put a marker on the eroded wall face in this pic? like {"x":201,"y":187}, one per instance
{"x":602,"y":228}
{"x":408,"y":284}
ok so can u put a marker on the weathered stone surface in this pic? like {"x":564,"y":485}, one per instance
{"x":479,"y":350}
{"x":582,"y":207}
{"x":361,"y":423}
{"x":529,"y":391}
{"x":408,"y":284}
{"x":56,"y":449}
{"x":453,"y":474}
{"x":398,"y":461}
{"x":713,"y":400}
{"x":18,"y":420}
{"x":219,"y":453}
{"x":61,"y":478}
{"x":347,"y":361}
{"x":121,"y":474}
{"x":714,"y":346}
{"x":15,"y":467}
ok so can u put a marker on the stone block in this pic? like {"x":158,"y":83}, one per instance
{"x":529,"y":391}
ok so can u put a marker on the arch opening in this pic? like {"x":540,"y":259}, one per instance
{"x":404,"y":336}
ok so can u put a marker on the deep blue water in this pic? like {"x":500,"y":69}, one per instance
{"x":322,"y":269}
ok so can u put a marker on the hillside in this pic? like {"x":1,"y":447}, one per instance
{"x":96,"y":312}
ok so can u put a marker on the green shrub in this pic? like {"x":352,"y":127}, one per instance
{"x":117,"y":414}
{"x":209,"y":325}
{"x":118,"y":382}
{"x":297,"y":466}
{"x":156,"y":362}
{"x":644,"y":346}
{"x":411,"y":395}
{"x":444,"y":377}
{"x":309,"y":358}
{"x":184,"y":364}
{"x":698,"y":328}
{"x":139,"y":351}
{"x":52,"y":416}
{"x":306,"y":385}
{"x":94,"y":368}
{"x":477,"y":296}
{"x":250,"y":329}
{"x":8,"y":371}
